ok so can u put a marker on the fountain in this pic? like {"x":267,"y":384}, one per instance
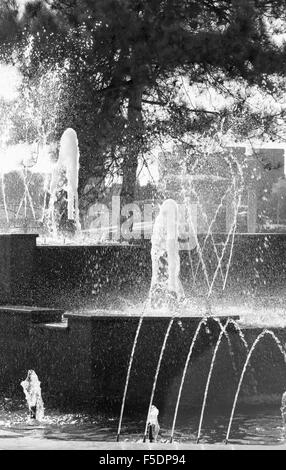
{"x":153,"y":425}
{"x":283,"y":409}
{"x":167,"y":319}
{"x":65,"y":171}
{"x":166,"y":286}
{"x":32,"y":390}
{"x":180,"y":346}
{"x":257,"y":340}
{"x":165,"y":282}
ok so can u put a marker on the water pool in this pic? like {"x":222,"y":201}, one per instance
{"x":251,"y":427}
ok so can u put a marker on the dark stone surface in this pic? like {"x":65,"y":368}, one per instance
{"x":17,"y":255}
{"x":75,"y":277}
{"x":83,"y":362}
{"x":15,"y":343}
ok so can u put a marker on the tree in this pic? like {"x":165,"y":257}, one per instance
{"x":126,"y":58}
{"x":8,"y":20}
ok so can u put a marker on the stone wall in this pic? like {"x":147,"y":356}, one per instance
{"x":83,"y":362}
{"x":74,"y":277}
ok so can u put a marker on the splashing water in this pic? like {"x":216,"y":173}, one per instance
{"x":29,"y":126}
{"x":246,"y":346}
{"x":32,"y":390}
{"x":258,"y":339}
{"x":222,"y":332}
{"x":129,"y":370}
{"x":165,"y":284}
{"x":202,"y":323}
{"x":68,"y":163}
{"x":283,"y":409}
{"x":26,"y":197}
{"x":164,"y":241}
{"x":156,"y":376}
{"x":235,"y":188}
{"x":241,"y":335}
{"x":153,"y":424}
{"x":4,"y":198}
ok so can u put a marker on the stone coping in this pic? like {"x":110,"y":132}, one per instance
{"x":102,"y":314}
{"x":61,"y":326}
{"x":26,"y":309}
{"x":105,"y":314}
{"x":33,"y":315}
{"x":18,"y":235}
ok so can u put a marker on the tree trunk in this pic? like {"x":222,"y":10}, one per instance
{"x":93,"y":166}
{"x":105,"y":130}
{"x":130,"y":163}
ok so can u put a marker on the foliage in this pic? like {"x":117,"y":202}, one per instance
{"x":129,"y":60}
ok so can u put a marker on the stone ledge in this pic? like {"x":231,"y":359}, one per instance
{"x":61,"y":326}
{"x":112,"y":314}
{"x":19,"y":235}
{"x":34,"y":314}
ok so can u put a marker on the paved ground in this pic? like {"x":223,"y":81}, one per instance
{"x":30,"y":443}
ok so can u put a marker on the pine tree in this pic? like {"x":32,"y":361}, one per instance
{"x":128,"y":55}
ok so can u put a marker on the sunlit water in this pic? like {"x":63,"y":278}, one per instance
{"x":250,"y":427}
